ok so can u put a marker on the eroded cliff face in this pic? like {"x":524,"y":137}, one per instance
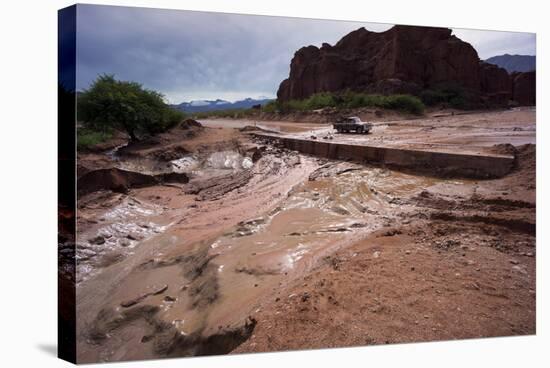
{"x":524,"y":88}
{"x":404,"y":59}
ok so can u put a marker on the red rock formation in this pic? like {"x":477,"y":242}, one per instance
{"x":496,"y":84}
{"x":494,"y":79}
{"x":404,"y":59}
{"x":524,"y":88}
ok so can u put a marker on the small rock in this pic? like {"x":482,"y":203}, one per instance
{"x":98,"y":240}
{"x":146,"y":338}
{"x":513,"y":261}
{"x":160,"y":290}
{"x":133,"y":236}
{"x":340,"y":210}
{"x":169,"y":298}
{"x":376,"y":254}
{"x":519,"y":269}
{"x":131,"y":302}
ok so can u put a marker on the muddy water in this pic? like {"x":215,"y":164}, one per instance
{"x":116,"y":233}
{"x":127,"y":221}
{"x":193,"y":164}
{"x":276,"y":126}
{"x":253,"y":259}
{"x":214,"y":284}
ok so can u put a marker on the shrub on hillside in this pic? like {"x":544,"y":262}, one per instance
{"x":451,"y":95}
{"x":404,"y":103}
{"x":348,"y":100}
{"x":229,"y":113}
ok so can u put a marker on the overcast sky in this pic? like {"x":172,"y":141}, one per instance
{"x":197,"y":55}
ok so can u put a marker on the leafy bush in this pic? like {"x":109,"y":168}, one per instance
{"x":432,"y":97}
{"x":271,"y":107}
{"x":459,"y":102}
{"x":88,"y":138}
{"x":274,"y":106}
{"x":449,"y":94}
{"x":113,"y":104}
{"x":404,"y":103}
{"x":229,"y":113}
{"x":341,"y":100}
{"x":350,"y":100}
{"x":321,"y":100}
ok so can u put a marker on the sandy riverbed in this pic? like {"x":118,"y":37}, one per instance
{"x":263,"y":248}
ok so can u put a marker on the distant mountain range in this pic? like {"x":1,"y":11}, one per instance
{"x":514,"y":63}
{"x":213,"y":105}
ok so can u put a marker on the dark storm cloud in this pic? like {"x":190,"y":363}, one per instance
{"x":194,"y":55}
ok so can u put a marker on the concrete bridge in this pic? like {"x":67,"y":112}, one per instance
{"x":455,"y":164}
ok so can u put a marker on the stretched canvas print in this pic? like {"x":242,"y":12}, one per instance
{"x":237,"y":184}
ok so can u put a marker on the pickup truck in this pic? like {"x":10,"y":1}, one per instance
{"x":352,"y":123}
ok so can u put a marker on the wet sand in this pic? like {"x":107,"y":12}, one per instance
{"x":262,"y":241}
{"x":472,"y":133}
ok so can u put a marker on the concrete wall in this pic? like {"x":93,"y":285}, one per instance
{"x":437,"y":163}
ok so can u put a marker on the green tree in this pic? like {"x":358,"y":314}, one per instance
{"x":112,"y":104}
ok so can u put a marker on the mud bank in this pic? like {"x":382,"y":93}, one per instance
{"x":457,"y":262}
{"x":119,"y":180}
{"x":438,"y":163}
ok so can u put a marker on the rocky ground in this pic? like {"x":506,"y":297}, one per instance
{"x":206,"y":241}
